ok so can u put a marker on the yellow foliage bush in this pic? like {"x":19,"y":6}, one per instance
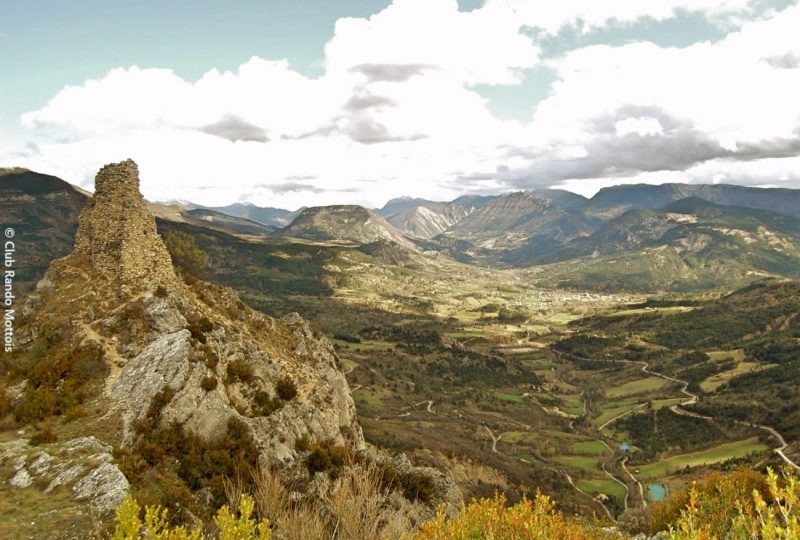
{"x":129,"y":524}
{"x":756,"y":518}
{"x":491,"y":519}
{"x":357,"y":513}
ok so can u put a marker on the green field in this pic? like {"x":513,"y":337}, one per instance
{"x":524,"y":437}
{"x":510,"y":398}
{"x":364,"y":345}
{"x":578,"y":462}
{"x":605,"y":485}
{"x":591,"y":448}
{"x":715,"y":381}
{"x":611,"y":412}
{"x":370,"y":398}
{"x":661,"y":403}
{"x":572,"y":403}
{"x":735,"y":354}
{"x":562,"y":435}
{"x":538,"y":329}
{"x":663,"y":310}
{"x":636,"y":387}
{"x":716,"y":454}
{"x":517,"y":350}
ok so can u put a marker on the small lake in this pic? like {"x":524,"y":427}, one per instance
{"x":656,"y":492}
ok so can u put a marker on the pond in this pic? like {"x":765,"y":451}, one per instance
{"x":656,"y":492}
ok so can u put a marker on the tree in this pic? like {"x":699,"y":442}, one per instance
{"x":185,"y":252}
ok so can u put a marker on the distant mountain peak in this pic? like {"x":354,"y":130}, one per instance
{"x":346,"y":222}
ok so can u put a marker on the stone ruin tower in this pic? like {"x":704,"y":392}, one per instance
{"x":118,"y":236}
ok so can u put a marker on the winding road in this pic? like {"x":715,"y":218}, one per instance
{"x":635,"y":480}
{"x":611,"y":421}
{"x":677,"y":409}
{"x":579,"y":490}
{"x":494,"y":439}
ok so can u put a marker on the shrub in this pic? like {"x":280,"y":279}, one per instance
{"x":717,"y":497}
{"x":159,"y":401}
{"x":60,"y":379}
{"x":286,"y":388}
{"x":5,"y":404}
{"x":185,"y":252}
{"x":196,"y":463}
{"x":347,"y":338}
{"x":413,"y":486}
{"x":239,"y":370}
{"x":264,"y":405}
{"x":319,"y":460}
{"x":155,"y":526}
{"x":160,"y":292}
{"x":511,"y":316}
{"x":774,"y":516}
{"x":45,"y":435}
{"x":200,"y":328}
{"x":491,"y":518}
{"x":209,"y":383}
{"x":302,"y":444}
{"x":210,"y":357}
{"x":328,"y":457}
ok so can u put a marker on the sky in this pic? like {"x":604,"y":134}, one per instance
{"x":291,"y":103}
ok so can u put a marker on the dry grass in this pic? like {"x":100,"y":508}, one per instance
{"x":303,"y":521}
{"x":355,"y":507}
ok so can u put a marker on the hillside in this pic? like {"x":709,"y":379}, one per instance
{"x":516,"y":219}
{"x":202,"y":217}
{"x":400,"y":204}
{"x":691,"y":244}
{"x":424,"y":219}
{"x":612,"y":201}
{"x":740,"y":353}
{"x":142,"y":360}
{"x":271,"y":217}
{"x":43,"y":212}
{"x":429,"y":220}
{"x":349,"y":223}
{"x":452,"y":363}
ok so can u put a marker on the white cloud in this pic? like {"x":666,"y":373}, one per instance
{"x":716,"y":103}
{"x":638,"y":125}
{"x":552,"y":16}
{"x":480,"y":46}
{"x":395,"y":113}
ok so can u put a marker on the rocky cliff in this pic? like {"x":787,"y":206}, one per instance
{"x":173,"y":352}
{"x":512,"y":220}
{"x":429,"y":220}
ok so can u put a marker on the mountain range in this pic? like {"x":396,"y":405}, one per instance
{"x":636,"y":237}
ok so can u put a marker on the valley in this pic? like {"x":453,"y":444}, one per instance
{"x":454,"y":363}
{"x":609,"y":379}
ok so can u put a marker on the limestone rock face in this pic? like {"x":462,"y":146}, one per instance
{"x":83,"y":466}
{"x":219,"y":358}
{"x":210,"y":360}
{"x":118,"y":234}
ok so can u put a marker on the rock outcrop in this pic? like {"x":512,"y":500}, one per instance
{"x":217,"y":358}
{"x":180,"y":360}
{"x":83,"y":466}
